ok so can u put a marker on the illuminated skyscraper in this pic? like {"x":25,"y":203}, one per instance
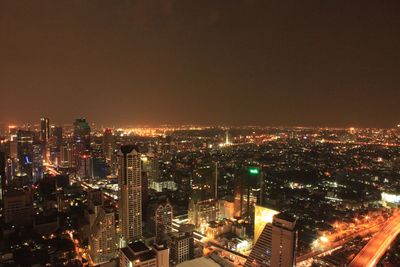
{"x":102,"y":240}
{"x":276,"y":245}
{"x":108,"y":145}
{"x":25,"y":151}
{"x":151,"y":167}
{"x":248,"y":191}
{"x":37,"y":162}
{"x":11,"y":169}
{"x":227,"y":141}
{"x":130,"y":193}
{"x":44,"y":130}
{"x":203,"y":204}
{"x":263,"y":216}
{"x":57,"y":138}
{"x":13,"y":143}
{"x":66,"y":155}
{"x":84,"y":163}
{"x":54,"y":145}
{"x":204,"y":182}
{"x":284,"y":241}
{"x":81,"y":141}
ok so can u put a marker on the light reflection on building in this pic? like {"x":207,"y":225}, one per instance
{"x":262,"y":217}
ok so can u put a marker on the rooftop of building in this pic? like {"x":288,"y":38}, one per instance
{"x":187,"y":228}
{"x":126,"y":149}
{"x":159,"y":247}
{"x":138,"y":251}
{"x":179,"y":235}
{"x":138,"y":247}
{"x":286,"y":217}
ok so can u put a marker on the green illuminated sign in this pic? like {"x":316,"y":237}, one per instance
{"x":254,"y":171}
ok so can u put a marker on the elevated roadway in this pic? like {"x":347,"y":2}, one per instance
{"x":378,"y":244}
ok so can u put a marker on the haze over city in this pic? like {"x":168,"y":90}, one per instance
{"x":311,"y":63}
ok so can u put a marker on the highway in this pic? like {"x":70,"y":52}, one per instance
{"x":334,"y":245}
{"x":378,"y":245}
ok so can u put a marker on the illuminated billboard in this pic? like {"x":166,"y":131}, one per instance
{"x":262,"y":216}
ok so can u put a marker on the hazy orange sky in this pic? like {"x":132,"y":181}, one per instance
{"x":233,"y":62}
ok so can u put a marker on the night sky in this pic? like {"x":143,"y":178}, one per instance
{"x":118,"y":62}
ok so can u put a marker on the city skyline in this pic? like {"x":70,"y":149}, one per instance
{"x":179,"y":62}
{"x":142,"y":128}
{"x":176,"y":133}
{"x":28,"y":124}
{"x":167,"y":196}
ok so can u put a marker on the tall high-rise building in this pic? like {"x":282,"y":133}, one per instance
{"x":204,"y":182}
{"x":276,"y":245}
{"x":181,"y":245}
{"x":55,"y":143}
{"x":45,"y":138}
{"x":202,"y":212}
{"x":44,"y":130}
{"x":13,"y":144}
{"x":284,"y":241}
{"x":11,"y":169}
{"x":130,"y":193}
{"x":37,"y":162}
{"x":97,"y":167}
{"x":18,"y":207}
{"x":84,"y":163}
{"x":161,"y":218}
{"x":95,"y":203}
{"x":103,"y":240}
{"x":248,"y":191}
{"x":227,"y":141}
{"x":151,"y":167}
{"x":57,"y":137}
{"x":203,"y":200}
{"x":108,"y":145}
{"x":25,"y":151}
{"x":66,"y":155}
{"x":82,"y":134}
{"x":145,"y":194}
{"x":81,"y":138}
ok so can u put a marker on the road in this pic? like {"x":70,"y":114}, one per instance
{"x":378,"y":245}
{"x":339,"y":243}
